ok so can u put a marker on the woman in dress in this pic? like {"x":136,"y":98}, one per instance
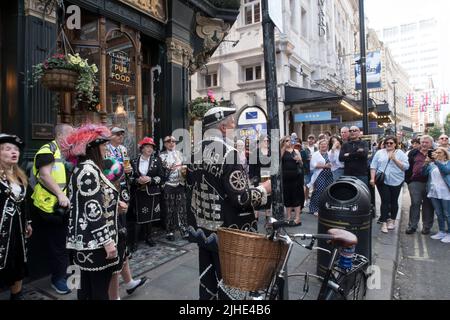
{"x":14,"y":226}
{"x":334,"y":148}
{"x":322,"y":176}
{"x":95,"y":205}
{"x":293,"y":196}
{"x":146,"y":182}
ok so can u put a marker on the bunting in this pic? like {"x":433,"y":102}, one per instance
{"x":410,"y":100}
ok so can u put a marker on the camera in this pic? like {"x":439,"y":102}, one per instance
{"x":430,"y":153}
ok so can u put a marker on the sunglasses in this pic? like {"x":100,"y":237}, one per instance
{"x":389,"y":143}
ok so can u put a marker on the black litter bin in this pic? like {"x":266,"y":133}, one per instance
{"x":345,"y":204}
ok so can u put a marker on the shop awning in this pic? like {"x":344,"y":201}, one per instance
{"x":383,"y":108}
{"x":295,"y":95}
{"x":407,"y":129}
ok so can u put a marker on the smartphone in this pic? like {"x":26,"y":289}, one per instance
{"x":430,"y":153}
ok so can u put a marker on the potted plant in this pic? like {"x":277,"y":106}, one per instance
{"x":69,"y":73}
{"x":199,"y":106}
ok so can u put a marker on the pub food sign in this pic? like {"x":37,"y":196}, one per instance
{"x":120,"y":69}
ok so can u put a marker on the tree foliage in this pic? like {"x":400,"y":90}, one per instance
{"x":435,"y":132}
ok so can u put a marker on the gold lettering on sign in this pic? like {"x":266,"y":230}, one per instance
{"x":155,"y":8}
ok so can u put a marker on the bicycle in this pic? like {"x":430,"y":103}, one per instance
{"x":338,"y":283}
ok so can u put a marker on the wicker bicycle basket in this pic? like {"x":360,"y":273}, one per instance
{"x":60,"y":80}
{"x":249,"y":261}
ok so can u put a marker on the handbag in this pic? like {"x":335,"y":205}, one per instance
{"x":300,"y":167}
{"x":379,"y":176}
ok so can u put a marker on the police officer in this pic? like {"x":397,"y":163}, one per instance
{"x":220,"y":196}
{"x":50,"y":172}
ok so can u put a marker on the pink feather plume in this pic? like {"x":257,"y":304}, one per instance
{"x":74,"y":145}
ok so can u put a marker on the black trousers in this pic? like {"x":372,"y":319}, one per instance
{"x":94,"y":285}
{"x":210,"y":275}
{"x":389,"y":201}
{"x":55,"y":233}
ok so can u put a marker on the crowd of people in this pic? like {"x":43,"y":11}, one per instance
{"x":95,"y":204}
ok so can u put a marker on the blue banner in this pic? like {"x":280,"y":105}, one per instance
{"x":313,"y":116}
{"x":373,"y":67}
{"x":335,"y":120}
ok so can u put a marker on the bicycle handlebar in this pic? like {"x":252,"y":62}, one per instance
{"x":274,"y":225}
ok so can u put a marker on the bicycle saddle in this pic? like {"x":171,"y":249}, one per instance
{"x":343,"y":238}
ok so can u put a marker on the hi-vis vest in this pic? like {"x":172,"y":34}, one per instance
{"x":43,"y":199}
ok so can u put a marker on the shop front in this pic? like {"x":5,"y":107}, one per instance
{"x":314,"y":112}
{"x":144,"y":52}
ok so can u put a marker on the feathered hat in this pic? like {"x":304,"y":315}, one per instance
{"x":80,"y":139}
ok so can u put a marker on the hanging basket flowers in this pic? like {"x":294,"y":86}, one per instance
{"x":68,"y":73}
{"x":199,"y":106}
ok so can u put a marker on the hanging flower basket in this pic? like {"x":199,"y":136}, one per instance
{"x":60,"y":80}
{"x":199,"y":106}
{"x":68,"y":73}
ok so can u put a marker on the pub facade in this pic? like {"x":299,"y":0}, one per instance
{"x":144,"y":50}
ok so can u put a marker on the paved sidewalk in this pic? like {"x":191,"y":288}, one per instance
{"x":385,"y":250}
{"x":172,"y":267}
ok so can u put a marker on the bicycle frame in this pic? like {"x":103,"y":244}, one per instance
{"x":329,"y":280}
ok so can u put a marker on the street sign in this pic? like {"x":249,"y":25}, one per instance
{"x":276,"y":13}
{"x":312,"y":116}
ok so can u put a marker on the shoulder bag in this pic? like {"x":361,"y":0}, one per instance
{"x":380,"y":175}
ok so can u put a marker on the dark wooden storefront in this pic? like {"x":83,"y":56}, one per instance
{"x":161,"y":48}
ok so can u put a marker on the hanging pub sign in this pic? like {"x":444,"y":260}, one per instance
{"x":120,"y":69}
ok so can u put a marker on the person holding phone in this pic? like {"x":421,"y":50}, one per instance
{"x":293,"y":196}
{"x":437,"y":168}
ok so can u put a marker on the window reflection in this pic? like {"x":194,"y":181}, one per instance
{"x":120,"y":86}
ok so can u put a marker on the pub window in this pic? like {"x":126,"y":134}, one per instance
{"x":304,"y":17}
{"x":252,"y":11}
{"x":252,"y":73}
{"x":293,"y":74}
{"x":121,"y":86}
{"x":89,"y":31}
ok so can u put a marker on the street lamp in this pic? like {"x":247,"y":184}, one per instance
{"x":395,"y":108}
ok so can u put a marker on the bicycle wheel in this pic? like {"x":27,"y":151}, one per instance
{"x":304,"y":286}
